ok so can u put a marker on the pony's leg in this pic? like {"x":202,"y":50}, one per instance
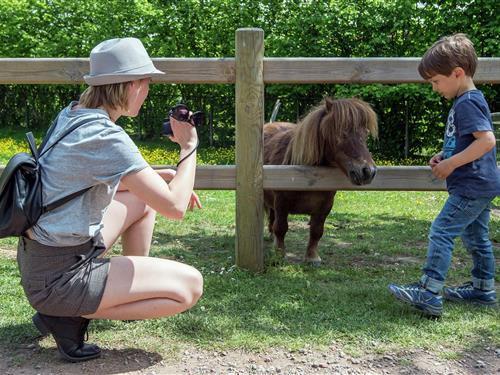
{"x":316,"y":229}
{"x":280,"y":227}
{"x":270,"y":222}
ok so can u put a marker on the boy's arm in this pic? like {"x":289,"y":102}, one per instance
{"x":484,"y":142}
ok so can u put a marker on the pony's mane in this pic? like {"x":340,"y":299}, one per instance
{"x":327,"y":125}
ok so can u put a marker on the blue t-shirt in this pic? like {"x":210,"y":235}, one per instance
{"x":479,"y":178}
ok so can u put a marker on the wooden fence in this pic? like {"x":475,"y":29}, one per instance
{"x":250,"y":71}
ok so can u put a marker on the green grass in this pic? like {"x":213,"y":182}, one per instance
{"x":371,"y":239}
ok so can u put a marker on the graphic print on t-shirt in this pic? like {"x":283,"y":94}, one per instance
{"x":449,"y":136}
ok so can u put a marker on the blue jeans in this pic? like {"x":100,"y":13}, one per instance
{"x":468,"y":218}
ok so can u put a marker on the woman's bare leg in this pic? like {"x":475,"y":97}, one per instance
{"x":144,"y":287}
{"x":140,"y":287}
{"x":129,"y":217}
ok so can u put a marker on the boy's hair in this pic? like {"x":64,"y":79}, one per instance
{"x":448,"y":53}
{"x":113,"y":96}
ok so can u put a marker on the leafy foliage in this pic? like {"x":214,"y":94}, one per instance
{"x":411,"y":116}
{"x":156,"y":153}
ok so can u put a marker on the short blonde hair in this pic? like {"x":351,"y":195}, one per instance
{"x":448,"y":53}
{"x":112,"y":96}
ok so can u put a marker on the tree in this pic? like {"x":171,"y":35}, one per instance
{"x":293,"y":28}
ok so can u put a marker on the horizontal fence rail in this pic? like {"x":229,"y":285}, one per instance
{"x":222,"y":70}
{"x":72,"y":70}
{"x":298,"y":177}
{"x":361,"y":70}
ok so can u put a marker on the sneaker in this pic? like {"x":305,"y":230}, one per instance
{"x":467,"y":293}
{"x":429,"y":303}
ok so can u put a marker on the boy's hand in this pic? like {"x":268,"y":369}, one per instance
{"x":484,"y":142}
{"x":436,"y":159}
{"x":443,"y":168}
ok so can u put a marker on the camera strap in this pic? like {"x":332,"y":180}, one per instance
{"x":188,"y":155}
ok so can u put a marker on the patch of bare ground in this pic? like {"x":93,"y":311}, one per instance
{"x":8,"y":252}
{"x":35,"y":360}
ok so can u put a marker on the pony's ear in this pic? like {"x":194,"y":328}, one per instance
{"x":328,"y":104}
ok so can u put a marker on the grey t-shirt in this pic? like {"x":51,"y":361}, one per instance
{"x":98,"y":154}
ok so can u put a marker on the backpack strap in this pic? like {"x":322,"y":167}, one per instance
{"x":42,"y":149}
{"x":60,"y":202}
{"x":32,"y":144}
{"x":49,"y":133}
{"x":37,"y":153}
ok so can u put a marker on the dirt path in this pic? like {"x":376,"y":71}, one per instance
{"x":32,"y":359}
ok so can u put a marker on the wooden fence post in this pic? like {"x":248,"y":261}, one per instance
{"x":249,"y":148}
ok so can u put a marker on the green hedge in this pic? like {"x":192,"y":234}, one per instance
{"x":202,"y":28}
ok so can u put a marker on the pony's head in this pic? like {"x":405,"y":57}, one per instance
{"x":335,"y":134}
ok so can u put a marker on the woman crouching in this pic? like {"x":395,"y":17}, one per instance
{"x":63,"y":271}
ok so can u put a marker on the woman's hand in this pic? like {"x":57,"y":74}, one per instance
{"x":168,"y":175}
{"x":184,"y":134}
{"x":194,"y":202}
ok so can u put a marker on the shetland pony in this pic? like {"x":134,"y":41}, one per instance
{"x":333,"y":134}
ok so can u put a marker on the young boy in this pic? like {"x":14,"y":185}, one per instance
{"x":468,"y":162}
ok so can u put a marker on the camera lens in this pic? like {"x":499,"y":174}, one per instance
{"x":198,"y":118}
{"x":180,"y":112}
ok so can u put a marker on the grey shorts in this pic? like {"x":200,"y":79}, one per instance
{"x":62,"y":281}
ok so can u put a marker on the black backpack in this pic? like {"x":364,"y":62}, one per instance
{"x":21,"y":203}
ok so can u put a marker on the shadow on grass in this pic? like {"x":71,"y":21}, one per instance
{"x":346,"y":299}
{"x":25,"y":354}
{"x":346,"y":237}
{"x":294,"y":305}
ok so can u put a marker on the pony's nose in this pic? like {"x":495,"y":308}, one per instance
{"x":363,"y":175}
{"x":369,"y":173}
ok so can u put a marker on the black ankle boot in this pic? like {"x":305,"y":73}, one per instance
{"x":40,"y":326}
{"x":69,"y":334}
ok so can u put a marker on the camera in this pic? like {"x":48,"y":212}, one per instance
{"x":181,"y":112}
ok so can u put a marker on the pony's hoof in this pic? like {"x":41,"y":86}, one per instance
{"x":314,"y":262}
{"x":280,"y":252}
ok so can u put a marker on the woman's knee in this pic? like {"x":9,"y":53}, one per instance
{"x":138,"y":278}
{"x":189,"y":283}
{"x":193,"y":281}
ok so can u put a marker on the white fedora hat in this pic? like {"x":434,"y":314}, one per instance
{"x":119,"y":60}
